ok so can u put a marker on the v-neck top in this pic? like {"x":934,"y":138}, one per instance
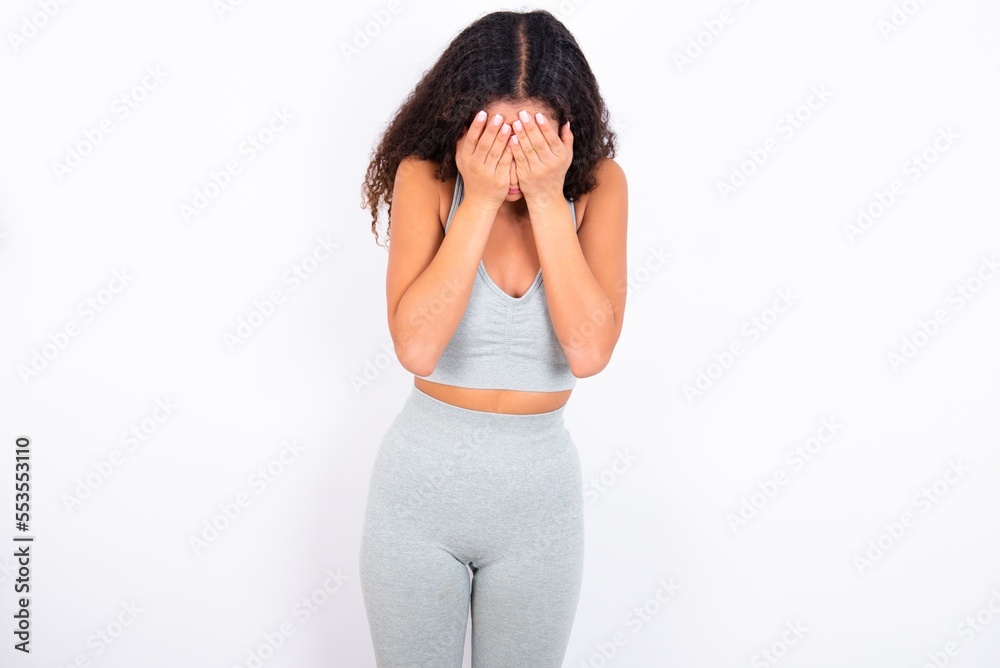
{"x":503,"y":342}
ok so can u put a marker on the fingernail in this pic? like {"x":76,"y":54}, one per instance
{"x":497,"y":119}
{"x":524,"y":116}
{"x":540,"y":118}
{"x":481,"y":116}
{"x":517,"y":126}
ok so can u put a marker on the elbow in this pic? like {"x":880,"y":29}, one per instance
{"x":414,"y":358}
{"x":589,"y":365}
{"x":592,"y":354}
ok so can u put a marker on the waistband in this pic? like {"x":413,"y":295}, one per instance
{"x":527,"y":423}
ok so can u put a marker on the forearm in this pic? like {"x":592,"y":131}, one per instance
{"x":581,"y":312}
{"x":432,"y":308}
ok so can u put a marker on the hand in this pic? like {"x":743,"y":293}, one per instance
{"x":483,"y":156}
{"x":541,"y":157}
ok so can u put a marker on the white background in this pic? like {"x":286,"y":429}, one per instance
{"x":693,"y":458}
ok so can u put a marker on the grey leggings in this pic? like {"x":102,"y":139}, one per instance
{"x":456,"y":492}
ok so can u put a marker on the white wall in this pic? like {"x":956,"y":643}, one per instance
{"x":857,"y":295}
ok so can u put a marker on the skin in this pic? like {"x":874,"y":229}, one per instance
{"x":537,"y":166}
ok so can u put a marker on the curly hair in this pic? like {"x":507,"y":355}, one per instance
{"x":502,"y":56}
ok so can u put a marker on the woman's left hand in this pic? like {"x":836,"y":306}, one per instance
{"x":541,"y":157}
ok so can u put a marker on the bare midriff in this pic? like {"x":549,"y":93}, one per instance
{"x":494,"y":401}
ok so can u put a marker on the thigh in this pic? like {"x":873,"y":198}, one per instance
{"x":417,"y":601}
{"x":524,"y":598}
{"x":416,"y":591}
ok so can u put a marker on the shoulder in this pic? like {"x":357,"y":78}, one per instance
{"x":611,"y":186}
{"x":412,"y":168}
{"x":610,"y":180}
{"x":610,"y":173}
{"x":416,"y":180}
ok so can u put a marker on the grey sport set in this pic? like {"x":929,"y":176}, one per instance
{"x":456,"y":492}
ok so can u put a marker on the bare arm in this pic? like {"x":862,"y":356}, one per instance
{"x":585,"y":272}
{"x":430,"y":275}
{"x":587,"y":281}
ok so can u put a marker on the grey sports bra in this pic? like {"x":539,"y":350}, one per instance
{"x":503,"y":342}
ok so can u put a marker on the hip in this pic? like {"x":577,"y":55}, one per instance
{"x":434,"y":450}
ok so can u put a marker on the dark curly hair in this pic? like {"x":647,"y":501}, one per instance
{"x":502,"y":56}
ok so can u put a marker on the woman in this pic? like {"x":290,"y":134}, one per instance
{"x":490,"y":189}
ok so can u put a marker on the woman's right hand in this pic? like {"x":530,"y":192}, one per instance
{"x":483,"y":156}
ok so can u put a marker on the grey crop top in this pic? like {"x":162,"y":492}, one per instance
{"x":503,"y":342}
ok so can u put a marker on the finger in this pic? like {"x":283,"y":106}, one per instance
{"x":499,"y":143}
{"x":536,"y":139}
{"x":474,"y":132}
{"x":550,"y":134}
{"x":503,"y":165}
{"x":520,"y":159}
{"x":521,"y":134}
{"x":490,"y":131}
{"x":567,"y":137}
